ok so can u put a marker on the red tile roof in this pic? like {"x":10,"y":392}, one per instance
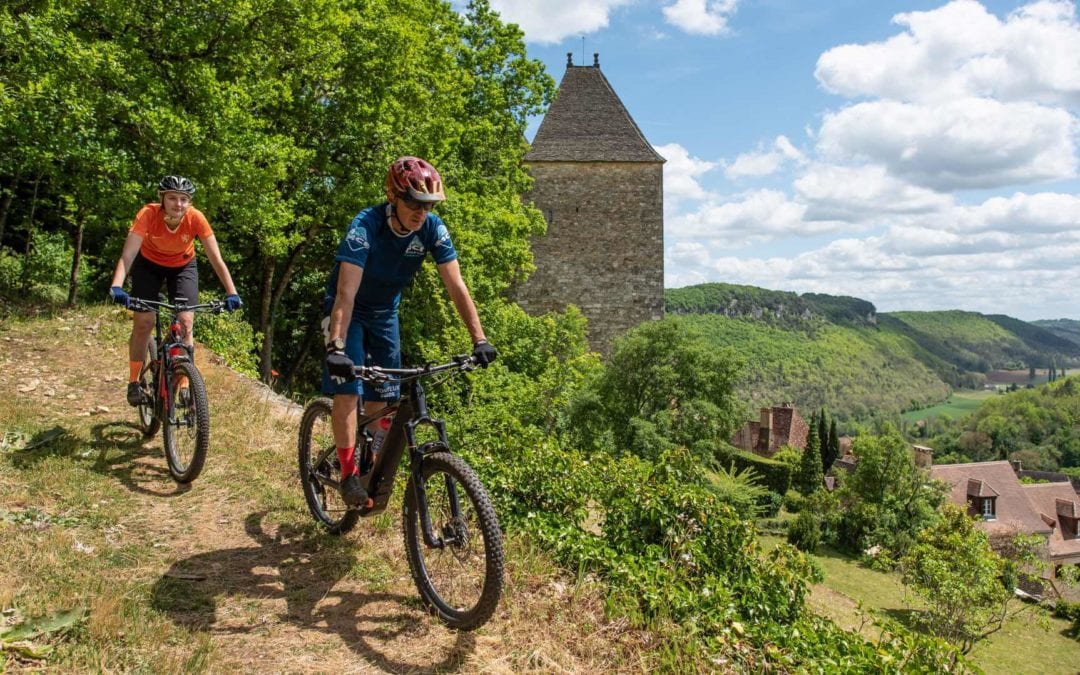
{"x":1013,"y":509}
{"x":1056,"y":501}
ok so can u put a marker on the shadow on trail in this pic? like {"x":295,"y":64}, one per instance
{"x":304,"y":570}
{"x":148,"y":478}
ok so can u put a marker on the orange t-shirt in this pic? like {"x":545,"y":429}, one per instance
{"x":169,"y":248}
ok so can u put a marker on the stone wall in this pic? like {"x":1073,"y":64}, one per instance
{"x":604,"y":248}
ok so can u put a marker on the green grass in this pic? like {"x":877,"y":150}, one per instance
{"x":1027,"y":643}
{"x":959,"y":404}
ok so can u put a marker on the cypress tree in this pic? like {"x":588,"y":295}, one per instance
{"x":833,"y":446}
{"x":810,"y":473}
{"x":823,"y":437}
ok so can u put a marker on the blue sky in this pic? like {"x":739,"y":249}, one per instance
{"x":920,"y":155}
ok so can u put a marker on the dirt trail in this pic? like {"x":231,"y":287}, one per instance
{"x":234,"y":558}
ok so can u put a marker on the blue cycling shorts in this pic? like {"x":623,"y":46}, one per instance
{"x":373,"y":339}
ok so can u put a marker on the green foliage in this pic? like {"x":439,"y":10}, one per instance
{"x":741,"y":489}
{"x":231,"y":338}
{"x":1038,"y":426}
{"x":774,"y":475}
{"x":887,"y":500}
{"x":1070,"y":611}
{"x":664,"y":386}
{"x":11,"y":270}
{"x":959,"y":578}
{"x":804,"y":533}
{"x":810,"y":476}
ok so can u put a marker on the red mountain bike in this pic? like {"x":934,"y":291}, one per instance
{"x":182,"y":412}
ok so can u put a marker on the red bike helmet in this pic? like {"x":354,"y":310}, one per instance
{"x":414,"y":177}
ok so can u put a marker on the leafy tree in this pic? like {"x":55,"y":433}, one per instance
{"x":810,"y":475}
{"x":889,"y":498}
{"x":964,"y":583}
{"x":664,"y":385}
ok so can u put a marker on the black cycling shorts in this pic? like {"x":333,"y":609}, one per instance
{"x":146,"y":278}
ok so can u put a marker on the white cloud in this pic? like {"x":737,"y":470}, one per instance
{"x":965,"y":143}
{"x":552,"y":20}
{"x":959,"y":50}
{"x":863,"y":193}
{"x":701,"y":17}
{"x":681,"y":173}
{"x":763,"y":162}
{"x":944,"y":260}
{"x":759,"y":215}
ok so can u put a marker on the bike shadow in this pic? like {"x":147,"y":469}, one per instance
{"x":138,"y":476}
{"x":305,"y":570}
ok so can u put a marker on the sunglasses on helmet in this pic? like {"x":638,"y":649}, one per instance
{"x":415,"y":204}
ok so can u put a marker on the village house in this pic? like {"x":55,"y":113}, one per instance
{"x":780,"y":425}
{"x":992,"y":492}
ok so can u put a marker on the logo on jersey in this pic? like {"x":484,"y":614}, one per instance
{"x":442,"y":237}
{"x":357,"y":239}
{"x":415,"y":249}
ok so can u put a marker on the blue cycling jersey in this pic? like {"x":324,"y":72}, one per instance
{"x":389,"y":261}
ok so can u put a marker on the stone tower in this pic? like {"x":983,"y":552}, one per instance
{"x":599,"y":185}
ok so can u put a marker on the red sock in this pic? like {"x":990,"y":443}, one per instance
{"x":347,"y":457}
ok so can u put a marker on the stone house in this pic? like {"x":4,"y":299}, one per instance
{"x":993,"y":493}
{"x":599,"y":185}
{"x":780,"y":425}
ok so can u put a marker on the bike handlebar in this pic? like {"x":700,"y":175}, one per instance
{"x":215,"y":306}
{"x":375,"y":374}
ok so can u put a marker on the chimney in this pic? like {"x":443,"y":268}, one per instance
{"x":765,"y":430}
{"x":1017,"y":466}
{"x":569,"y":59}
{"x":596,"y":59}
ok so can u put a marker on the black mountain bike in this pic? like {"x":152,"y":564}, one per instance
{"x":183,"y":412}
{"x":452,"y":536}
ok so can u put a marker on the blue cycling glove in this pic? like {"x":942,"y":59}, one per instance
{"x":233,"y":302}
{"x":119,"y":296}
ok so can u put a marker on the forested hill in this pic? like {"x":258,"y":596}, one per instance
{"x":837,"y":351}
{"x":1064,"y":328}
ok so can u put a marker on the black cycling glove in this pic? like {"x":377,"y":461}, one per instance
{"x":484,"y":353}
{"x":340,"y":366}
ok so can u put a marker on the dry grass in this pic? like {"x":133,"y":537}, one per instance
{"x":231,"y":573}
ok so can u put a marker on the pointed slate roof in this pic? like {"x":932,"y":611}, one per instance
{"x":588,"y":123}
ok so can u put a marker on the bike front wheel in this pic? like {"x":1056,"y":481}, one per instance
{"x":148,"y":421}
{"x":324,"y":501}
{"x":460,"y":578}
{"x":187,"y":423}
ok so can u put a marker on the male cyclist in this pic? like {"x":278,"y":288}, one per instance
{"x":379,"y":255}
{"x":160,"y":247}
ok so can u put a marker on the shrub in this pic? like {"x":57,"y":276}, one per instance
{"x":803,"y":532}
{"x":776,"y":476}
{"x":793,"y":501}
{"x":232,"y":338}
{"x":11,"y":269}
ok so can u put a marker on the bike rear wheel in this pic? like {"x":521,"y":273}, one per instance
{"x":187,"y":424}
{"x":324,"y":502}
{"x":148,"y":421}
{"x":461,"y":581}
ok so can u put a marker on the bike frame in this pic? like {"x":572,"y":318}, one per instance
{"x":410,"y":412}
{"x":161,"y":366}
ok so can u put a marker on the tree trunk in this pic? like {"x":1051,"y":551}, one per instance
{"x":76,"y":257}
{"x":271,"y":298}
{"x":266,"y":324}
{"x":30,"y":231}
{"x":5,"y":205}
{"x":310,"y":338}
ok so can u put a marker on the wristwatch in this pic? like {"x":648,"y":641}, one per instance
{"x":336,"y":345}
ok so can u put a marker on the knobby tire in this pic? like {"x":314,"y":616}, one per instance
{"x":198,"y":410}
{"x":459,"y":583}
{"x":323,"y":502}
{"x":148,"y":420}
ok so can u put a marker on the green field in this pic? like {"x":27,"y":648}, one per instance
{"x":959,"y":404}
{"x":1028,"y":642}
